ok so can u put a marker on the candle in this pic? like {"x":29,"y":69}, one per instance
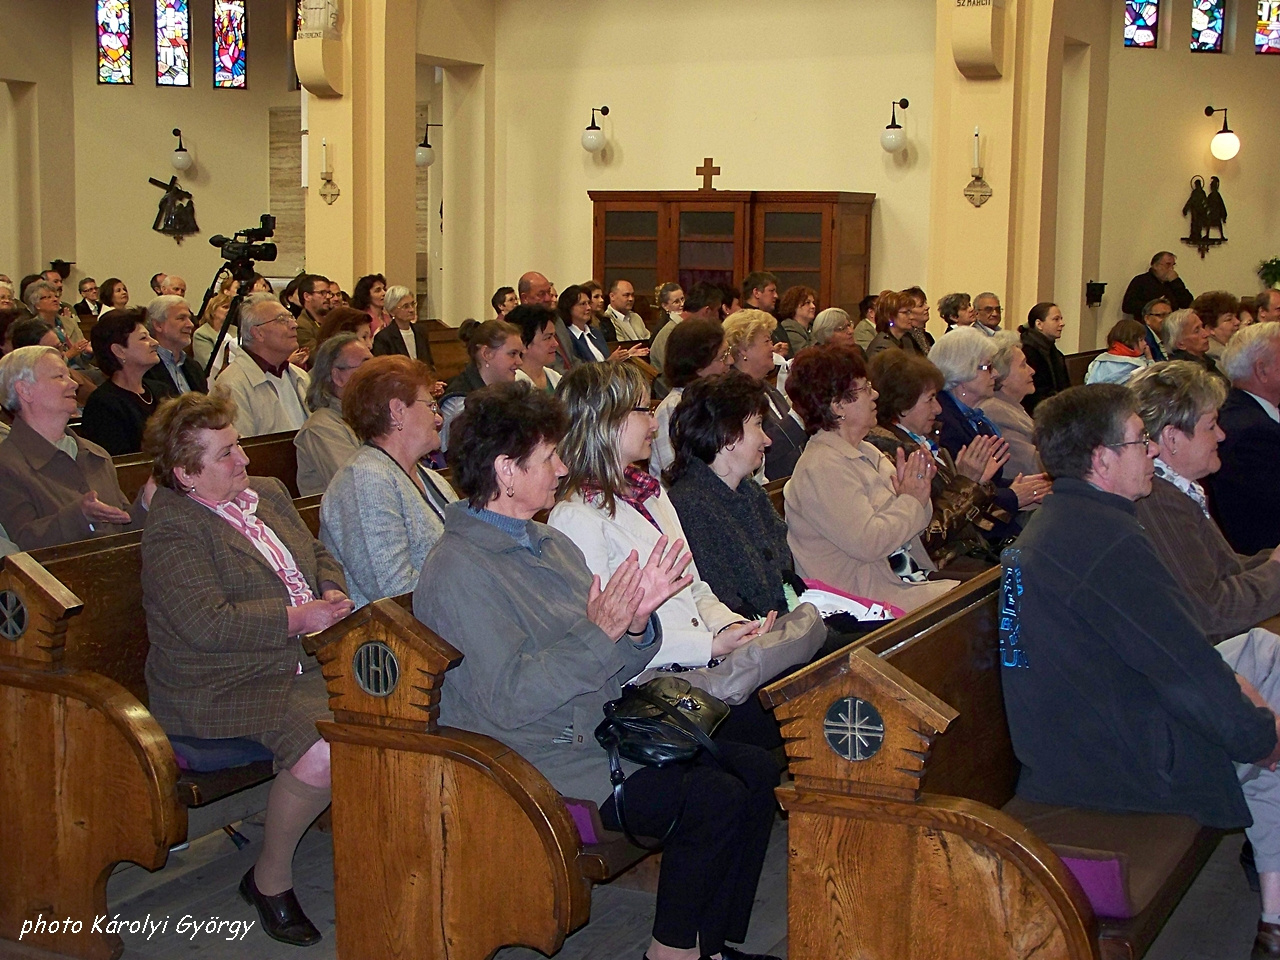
{"x":324,"y":155}
{"x":976,"y":164}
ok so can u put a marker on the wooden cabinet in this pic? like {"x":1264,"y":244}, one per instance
{"x":817,"y":239}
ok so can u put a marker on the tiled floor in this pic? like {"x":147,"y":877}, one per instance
{"x":1215,"y":921}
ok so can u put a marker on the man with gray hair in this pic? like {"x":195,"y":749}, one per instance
{"x":169,"y":321}
{"x":988,"y":313}
{"x":173,"y":286}
{"x":269,"y":392}
{"x":1268,"y":306}
{"x":1244,"y":490}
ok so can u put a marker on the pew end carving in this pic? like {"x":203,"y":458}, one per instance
{"x":422,"y":814}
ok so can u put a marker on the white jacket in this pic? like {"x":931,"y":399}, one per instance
{"x":260,"y":408}
{"x":689,"y":619}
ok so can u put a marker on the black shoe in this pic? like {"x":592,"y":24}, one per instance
{"x":728,"y":953}
{"x":281,"y":914}
{"x":1250,"y":867}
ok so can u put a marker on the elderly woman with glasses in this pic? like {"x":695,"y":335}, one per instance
{"x":696,"y":350}
{"x":404,"y":334}
{"x":834,"y":325}
{"x":384,"y":509}
{"x":966,"y":359}
{"x":1014,"y":381}
{"x":854,"y":517}
{"x":326,"y":441}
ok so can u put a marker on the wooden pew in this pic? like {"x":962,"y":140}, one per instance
{"x":270,"y":455}
{"x":446,"y":842}
{"x":89,"y":779}
{"x":1078,"y":365}
{"x":900,"y":847}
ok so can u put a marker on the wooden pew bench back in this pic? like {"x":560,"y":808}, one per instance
{"x":270,"y":455}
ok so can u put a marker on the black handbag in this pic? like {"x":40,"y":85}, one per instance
{"x":655,"y":724}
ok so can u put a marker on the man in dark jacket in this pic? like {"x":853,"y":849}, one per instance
{"x":169,"y":321}
{"x":1243,"y":491}
{"x":1161,"y":280}
{"x":1115,"y":698}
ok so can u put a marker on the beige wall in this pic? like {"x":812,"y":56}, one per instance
{"x":122,"y":137}
{"x":1158,"y":138}
{"x":784,"y":96}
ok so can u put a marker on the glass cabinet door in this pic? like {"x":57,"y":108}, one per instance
{"x":712,"y":243}
{"x":790,"y":243}
{"x":628,"y":249}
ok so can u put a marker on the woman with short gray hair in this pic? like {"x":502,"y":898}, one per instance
{"x":1229,"y":592}
{"x":965,"y":358}
{"x":1014,"y":381}
{"x":833,"y":325}
{"x":1184,"y":337}
{"x":403,"y":335}
{"x":326,"y":441}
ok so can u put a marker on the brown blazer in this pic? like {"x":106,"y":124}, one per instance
{"x":221,"y":661}
{"x":41,"y":487}
{"x":1227,"y":592}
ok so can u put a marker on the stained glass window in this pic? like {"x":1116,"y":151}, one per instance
{"x":1206,"y":25}
{"x":1141,"y":23}
{"x":173,"y":37}
{"x":115,"y":41}
{"x":230,"y":31}
{"x":1267,"y":39}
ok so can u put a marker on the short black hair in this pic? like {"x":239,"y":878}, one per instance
{"x":362,"y":296}
{"x":866,"y":303}
{"x":711,"y":415}
{"x":504,"y":419}
{"x":531,"y":319}
{"x":27,"y":332}
{"x":499,"y":296}
{"x":756,"y":281}
{"x":702,"y":295}
{"x":307,"y":283}
{"x":568,"y":300}
{"x":114,"y":328}
{"x":1072,"y":424}
{"x":693,"y":345}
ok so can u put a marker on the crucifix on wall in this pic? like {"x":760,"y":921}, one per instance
{"x":706,"y":172}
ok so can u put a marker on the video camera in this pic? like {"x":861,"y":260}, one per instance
{"x":247,"y":244}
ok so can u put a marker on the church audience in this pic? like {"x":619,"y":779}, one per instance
{"x":1013,"y":383}
{"x":1185,"y":338}
{"x":627,"y":324}
{"x":1161,"y":280}
{"x":269,"y":392}
{"x":748,"y":337}
{"x":1097,"y":637}
{"x":224,"y":627}
{"x":495,"y":350}
{"x":342,"y":319}
{"x":1242,"y":491}
{"x":369,"y":297}
{"x":697,"y":349}
{"x":316,"y":301}
{"x":384,"y":510}
{"x":1040,"y":347}
{"x":760,"y":291}
{"x":671,"y":303}
{"x":1219,"y":312}
{"x":550,"y":645}
{"x":1154,"y":314}
{"x":894,"y":324}
{"x":404,"y":335}
{"x":854,"y":517}
{"x":116,"y":413}
{"x":538,"y":334}
{"x":54,"y":486}
{"x":115,"y":295}
{"x":961,"y":491}
{"x":326,"y":441}
{"x":206,"y":335}
{"x":796,"y":312}
{"x":169,"y":322}
{"x":834,"y":325}
{"x":1127,"y":352}
{"x":956,"y":309}
{"x":1228,"y":593}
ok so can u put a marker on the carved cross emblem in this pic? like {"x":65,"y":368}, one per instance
{"x":854,"y":728}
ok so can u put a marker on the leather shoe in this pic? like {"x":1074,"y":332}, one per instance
{"x":281,"y":914}
{"x":728,"y":953}
{"x":1267,"y":943}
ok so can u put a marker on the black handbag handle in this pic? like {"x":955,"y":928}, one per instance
{"x":618,"y":778}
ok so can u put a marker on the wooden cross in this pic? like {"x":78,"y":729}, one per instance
{"x":706,"y":172}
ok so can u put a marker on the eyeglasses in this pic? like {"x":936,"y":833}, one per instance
{"x":991,"y":310}
{"x":431,"y":404}
{"x":984,"y":368}
{"x":1145,"y":441}
{"x":283,"y":318}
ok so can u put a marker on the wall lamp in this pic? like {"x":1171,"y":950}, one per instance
{"x":893,"y":138}
{"x":1224,"y":144}
{"x":181,"y":158}
{"x":424,"y":155}
{"x":593,"y":136}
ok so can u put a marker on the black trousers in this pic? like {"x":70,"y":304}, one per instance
{"x":711,"y":864}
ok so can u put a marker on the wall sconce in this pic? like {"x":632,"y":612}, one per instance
{"x":892,"y":137}
{"x":425,"y":154}
{"x":181,"y":158}
{"x":593,"y":136}
{"x":1224,"y":144}
{"x":1093,"y":291}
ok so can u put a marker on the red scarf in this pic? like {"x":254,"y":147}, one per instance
{"x":643,"y":486}
{"x":1120,"y":350}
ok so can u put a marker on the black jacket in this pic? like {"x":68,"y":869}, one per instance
{"x":463,"y":383}
{"x":956,"y":432}
{"x":1049,"y":365}
{"x":389,"y":342}
{"x":1115,"y":699}
{"x":1243,"y":493}
{"x":158,"y":379}
{"x":787,"y":437}
{"x":1145,"y":287}
{"x":114,"y":418}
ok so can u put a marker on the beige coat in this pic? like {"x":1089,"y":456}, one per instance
{"x":258,"y":406}
{"x":325,"y":443}
{"x":844,"y":520}
{"x":1017,"y":427}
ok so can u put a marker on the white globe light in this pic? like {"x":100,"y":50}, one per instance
{"x":893,"y":139}
{"x":181,"y":159}
{"x":1224,"y":145}
{"x":593,"y":139}
{"x":424,"y":156}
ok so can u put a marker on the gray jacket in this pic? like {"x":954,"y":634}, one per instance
{"x":536,"y":672}
{"x":376,"y":524}
{"x":324,"y":444}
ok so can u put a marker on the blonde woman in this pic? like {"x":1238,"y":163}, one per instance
{"x":748,"y":336}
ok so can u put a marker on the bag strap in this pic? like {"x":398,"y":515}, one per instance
{"x":618,"y":778}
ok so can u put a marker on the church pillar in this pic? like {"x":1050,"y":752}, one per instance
{"x":361,"y":117}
